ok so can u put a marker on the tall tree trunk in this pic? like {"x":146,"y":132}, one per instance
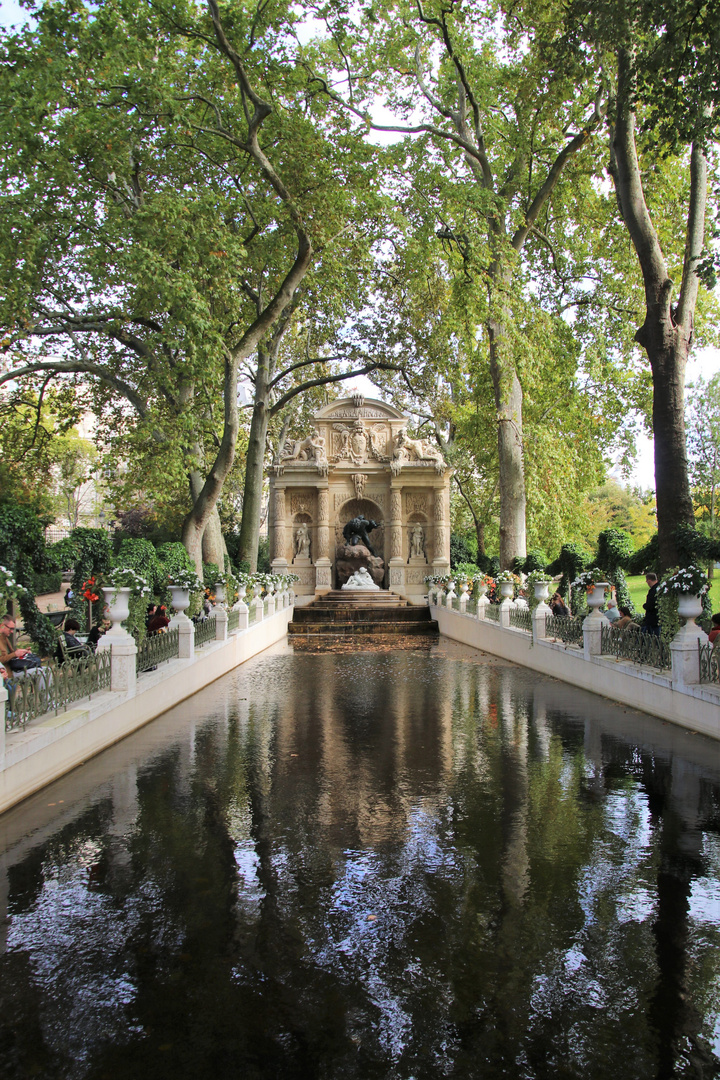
{"x":213,"y":542}
{"x":666,"y":334}
{"x":508,"y":405}
{"x":254,"y":466}
{"x":196,"y":521}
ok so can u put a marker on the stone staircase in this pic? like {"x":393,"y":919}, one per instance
{"x":346,"y":613}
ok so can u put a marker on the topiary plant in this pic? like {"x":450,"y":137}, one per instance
{"x":534,"y":560}
{"x":615,"y":549}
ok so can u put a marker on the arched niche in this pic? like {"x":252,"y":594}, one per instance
{"x":418,"y":518}
{"x":362,"y":508}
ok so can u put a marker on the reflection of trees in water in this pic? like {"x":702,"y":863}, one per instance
{"x":390,"y":862}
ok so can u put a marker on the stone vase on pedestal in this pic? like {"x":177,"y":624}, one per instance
{"x":123,"y":675}
{"x":541,"y":589}
{"x":180,"y":599}
{"x":684,"y":646}
{"x":596,"y":596}
{"x":219,"y":592}
{"x":118,"y":603}
{"x":689,"y":607}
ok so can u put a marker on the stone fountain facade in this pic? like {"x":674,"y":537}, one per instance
{"x":360,"y":462}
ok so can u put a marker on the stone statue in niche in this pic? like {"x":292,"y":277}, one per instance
{"x":409,"y":451}
{"x":302,"y":542}
{"x":417,"y":542}
{"x":356,"y":532}
{"x":361,"y":580}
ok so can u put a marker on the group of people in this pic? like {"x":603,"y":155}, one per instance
{"x":620,"y":616}
{"x":623,"y":618}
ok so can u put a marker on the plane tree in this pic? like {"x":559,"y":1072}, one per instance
{"x":487,"y":101}
{"x":168,"y":183}
{"x":662,"y":123}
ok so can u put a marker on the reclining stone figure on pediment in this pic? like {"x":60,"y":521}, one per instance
{"x":409,"y":451}
{"x":310,"y":449}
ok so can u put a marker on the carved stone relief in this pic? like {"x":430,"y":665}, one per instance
{"x":415,"y":576}
{"x":416,"y":502}
{"x":323,"y":506}
{"x":301,"y":503}
{"x":359,"y":480}
{"x":396,"y":575}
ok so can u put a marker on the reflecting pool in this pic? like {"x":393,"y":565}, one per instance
{"x":392,"y":863}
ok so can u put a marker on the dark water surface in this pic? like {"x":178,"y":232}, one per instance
{"x":394,"y":864}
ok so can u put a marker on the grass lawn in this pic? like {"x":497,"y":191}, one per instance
{"x":638,"y":592}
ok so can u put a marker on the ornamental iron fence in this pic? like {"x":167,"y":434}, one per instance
{"x":492,"y":611}
{"x":521,"y":618}
{"x":54,"y":686}
{"x":709,"y":661}
{"x":233,"y":621}
{"x":565,"y":627}
{"x":204,"y":631}
{"x":156,"y":649}
{"x":636,"y":646}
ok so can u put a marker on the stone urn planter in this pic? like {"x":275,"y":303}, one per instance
{"x":240,"y":604}
{"x":118,"y":603}
{"x":180,"y":599}
{"x":219,"y":592}
{"x":596,"y":596}
{"x":689,"y":607}
{"x":541,"y":590}
{"x":507,"y":588}
{"x":482,"y":591}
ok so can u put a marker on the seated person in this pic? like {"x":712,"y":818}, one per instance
{"x":74,"y":648}
{"x":159,"y":621}
{"x":558,"y":605}
{"x":625,"y":620}
{"x":612,"y":612}
{"x":714,"y":634}
{"x":14,"y":659}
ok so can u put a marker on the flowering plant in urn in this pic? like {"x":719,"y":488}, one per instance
{"x":589,"y":579}
{"x":183,"y":578}
{"x":689,"y":580}
{"x":538,"y":577}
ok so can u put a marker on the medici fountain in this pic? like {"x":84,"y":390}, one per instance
{"x":359,"y":465}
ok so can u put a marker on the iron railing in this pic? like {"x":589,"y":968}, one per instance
{"x":204,"y":631}
{"x":252,"y":613}
{"x":522,"y":619}
{"x":54,"y":686}
{"x":492,"y":611}
{"x":233,"y":621}
{"x":709,"y":661}
{"x":636,"y":646}
{"x":565,"y":627}
{"x":156,"y":649}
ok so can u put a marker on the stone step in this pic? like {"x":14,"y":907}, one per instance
{"x":361,"y":597}
{"x":428,"y":628}
{"x":344,"y":613}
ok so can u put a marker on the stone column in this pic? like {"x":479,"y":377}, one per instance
{"x":123,"y":676}
{"x":221,"y":621}
{"x":592,"y":630}
{"x":441,"y":563}
{"x":396,"y":565}
{"x":538,"y":620}
{"x":323,"y":566}
{"x":685,"y":656}
{"x":278,"y":559}
{"x":186,"y":642}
